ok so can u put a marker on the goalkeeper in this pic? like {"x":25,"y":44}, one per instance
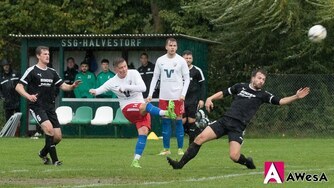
{"x":247,"y":100}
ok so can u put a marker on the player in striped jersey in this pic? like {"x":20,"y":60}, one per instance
{"x":247,"y":99}
{"x":194,"y":98}
{"x":41,"y":82}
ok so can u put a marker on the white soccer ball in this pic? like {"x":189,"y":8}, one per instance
{"x":317,"y":33}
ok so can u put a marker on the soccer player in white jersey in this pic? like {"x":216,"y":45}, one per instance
{"x":128,"y":86}
{"x":172,"y":69}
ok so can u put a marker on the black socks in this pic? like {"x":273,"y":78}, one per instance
{"x":190,"y":153}
{"x":49,"y":143}
{"x":193,"y":132}
{"x":242,"y":160}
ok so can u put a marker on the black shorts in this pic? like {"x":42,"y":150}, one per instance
{"x":190,"y":110}
{"x":41,"y":115}
{"x":229,"y":126}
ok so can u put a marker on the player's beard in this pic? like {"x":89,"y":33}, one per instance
{"x":257,"y":86}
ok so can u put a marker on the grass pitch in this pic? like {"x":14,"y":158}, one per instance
{"x":106,"y":163}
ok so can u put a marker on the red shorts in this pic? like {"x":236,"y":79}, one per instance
{"x":132,"y":113}
{"x":179,"y":106}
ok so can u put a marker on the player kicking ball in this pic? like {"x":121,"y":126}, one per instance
{"x":248,"y":97}
{"x":128,"y":86}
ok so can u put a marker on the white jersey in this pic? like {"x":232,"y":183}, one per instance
{"x":172,"y":72}
{"x":132,"y":86}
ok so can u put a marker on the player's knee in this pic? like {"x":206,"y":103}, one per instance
{"x":143,"y":130}
{"x":48,"y":131}
{"x":142,"y":108}
{"x":200,"y":139}
{"x":57,"y":138}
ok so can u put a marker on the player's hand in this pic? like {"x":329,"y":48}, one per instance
{"x":149,"y":99}
{"x":92,"y":92}
{"x":182,"y":98}
{"x":76,"y":83}
{"x":200,"y":104}
{"x":32,"y":98}
{"x":302,"y":92}
{"x":208,"y":105}
{"x":121,"y":89}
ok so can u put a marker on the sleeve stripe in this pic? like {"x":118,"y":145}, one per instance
{"x":26,"y":74}
{"x":271,"y":99}
{"x":201,"y":72}
{"x":229,"y":90}
{"x":58,"y":81}
{"x":4,"y":82}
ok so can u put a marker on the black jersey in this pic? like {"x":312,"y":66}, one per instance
{"x":196,"y":89}
{"x":247,"y":101}
{"x":146,"y":73}
{"x":42,"y":82}
{"x":8,"y":83}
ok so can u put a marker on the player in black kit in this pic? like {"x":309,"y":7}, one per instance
{"x":41,"y":82}
{"x":247,"y":100}
{"x":194,"y":99}
{"x":146,"y":72}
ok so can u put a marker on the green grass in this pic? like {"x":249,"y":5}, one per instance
{"x":106,"y":163}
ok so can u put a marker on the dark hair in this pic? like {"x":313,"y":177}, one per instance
{"x":84,"y":62}
{"x":118,"y":61}
{"x":104,"y":61}
{"x":144,"y":54}
{"x":255,"y":71}
{"x":5,"y":62}
{"x":187,"y":52}
{"x":170,"y":40}
{"x":70,"y":58}
{"x":39,"y":49}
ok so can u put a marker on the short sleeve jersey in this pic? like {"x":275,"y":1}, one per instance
{"x":247,"y":101}
{"x":171,"y":71}
{"x":42,"y":82}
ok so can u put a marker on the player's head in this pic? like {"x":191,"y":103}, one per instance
{"x":70,"y":62}
{"x":143,"y":59}
{"x":171,"y":46}
{"x":43,"y":54}
{"x":258,"y":78}
{"x":120,"y":67}
{"x":5,"y":65}
{"x":84,"y":66}
{"x":188,"y":56}
{"x":105,"y":65}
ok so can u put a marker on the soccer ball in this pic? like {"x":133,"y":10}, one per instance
{"x":202,"y":119}
{"x":317,"y":33}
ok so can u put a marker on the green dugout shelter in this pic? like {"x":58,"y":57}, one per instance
{"x":103,"y":46}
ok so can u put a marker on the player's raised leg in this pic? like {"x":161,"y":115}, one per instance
{"x":153,"y":110}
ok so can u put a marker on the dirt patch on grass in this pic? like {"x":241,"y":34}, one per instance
{"x":61,"y":182}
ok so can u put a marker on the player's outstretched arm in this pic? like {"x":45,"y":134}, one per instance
{"x":301,"y":93}
{"x":208,"y":102}
{"x":67,"y":87}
